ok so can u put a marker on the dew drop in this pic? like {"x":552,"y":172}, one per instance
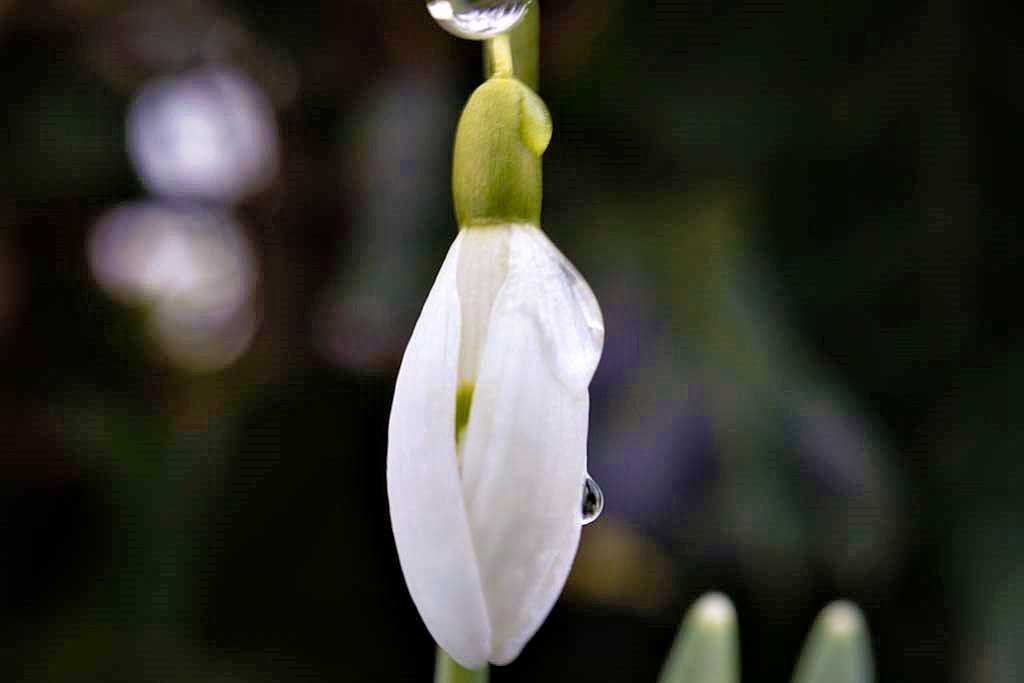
{"x":593,"y":501}
{"x":477,"y":19}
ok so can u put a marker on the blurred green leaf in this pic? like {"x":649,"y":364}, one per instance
{"x":707,"y":647}
{"x":837,"y":648}
{"x":65,"y":137}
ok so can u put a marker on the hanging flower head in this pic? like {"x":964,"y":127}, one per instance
{"x":487,"y":472}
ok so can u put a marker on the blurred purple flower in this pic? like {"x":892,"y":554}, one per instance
{"x":209,"y":134}
{"x":193,"y":269}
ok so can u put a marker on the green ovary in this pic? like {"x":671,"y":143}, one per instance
{"x":496,"y":167}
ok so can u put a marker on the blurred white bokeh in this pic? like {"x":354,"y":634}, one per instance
{"x":208,"y":134}
{"x":194,"y":271}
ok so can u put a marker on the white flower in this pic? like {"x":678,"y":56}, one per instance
{"x":487,"y":515}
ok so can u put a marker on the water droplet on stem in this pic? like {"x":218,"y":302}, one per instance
{"x":477,"y":19}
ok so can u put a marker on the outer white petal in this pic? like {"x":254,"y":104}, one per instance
{"x":428,"y":516}
{"x":524,"y":455}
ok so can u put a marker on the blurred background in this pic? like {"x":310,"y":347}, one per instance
{"x":219,"y":219}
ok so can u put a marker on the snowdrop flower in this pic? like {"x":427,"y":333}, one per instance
{"x":486,"y":473}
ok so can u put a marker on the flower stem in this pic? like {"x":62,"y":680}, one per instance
{"x":447,"y":670}
{"x":499,"y":55}
{"x":522,"y":45}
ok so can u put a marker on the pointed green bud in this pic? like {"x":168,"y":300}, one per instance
{"x":837,"y":649}
{"x":706,"y":649}
{"x":496,"y":170}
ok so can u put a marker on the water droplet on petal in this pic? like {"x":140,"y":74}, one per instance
{"x":477,"y":19}
{"x":593,"y":501}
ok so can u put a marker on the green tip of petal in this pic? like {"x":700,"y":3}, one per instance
{"x":496,"y":169}
{"x":837,"y":649}
{"x":706,"y":650}
{"x":463,"y":402}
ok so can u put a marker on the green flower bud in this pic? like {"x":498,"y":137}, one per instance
{"x":496,"y":171}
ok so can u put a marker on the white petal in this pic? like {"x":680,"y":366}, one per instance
{"x":483,"y":265}
{"x":564,"y":306}
{"x":524,"y":455}
{"x":424,"y":492}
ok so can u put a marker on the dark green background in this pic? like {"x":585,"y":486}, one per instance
{"x":161,"y":526}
